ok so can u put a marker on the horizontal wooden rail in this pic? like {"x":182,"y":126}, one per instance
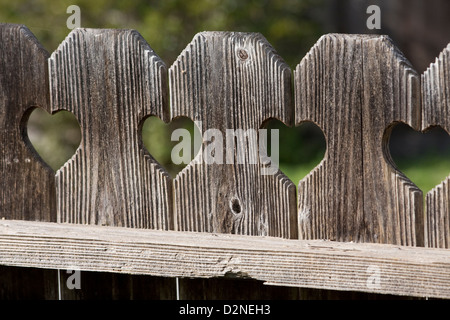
{"x":378,"y":268}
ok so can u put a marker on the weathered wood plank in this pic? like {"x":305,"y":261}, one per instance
{"x":436,"y":112}
{"x":402,"y":270}
{"x":354,"y":87}
{"x":111,"y":80}
{"x":27,"y":187}
{"x":232,"y":81}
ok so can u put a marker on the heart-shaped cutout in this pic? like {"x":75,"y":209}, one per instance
{"x":423,"y":157}
{"x":55,"y":137}
{"x":157,"y":139}
{"x":301,"y":148}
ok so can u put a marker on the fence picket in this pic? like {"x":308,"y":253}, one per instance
{"x":230,"y":81}
{"x":111,"y":80}
{"x":27,"y":187}
{"x":355,"y":87}
{"x":27,"y":190}
{"x":436,"y":112}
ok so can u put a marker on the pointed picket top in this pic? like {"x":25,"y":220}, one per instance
{"x":111,"y":80}
{"x":27,"y":188}
{"x":242,"y":62}
{"x":230,"y":81}
{"x":355,"y":87}
{"x":436,"y":112}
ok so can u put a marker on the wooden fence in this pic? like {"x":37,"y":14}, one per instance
{"x":355,"y":225}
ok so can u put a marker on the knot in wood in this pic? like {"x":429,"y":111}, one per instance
{"x":235,"y":206}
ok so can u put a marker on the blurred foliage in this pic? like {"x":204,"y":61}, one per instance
{"x":157,"y":138}
{"x":169,"y":25}
{"x":426,"y":171}
{"x":423,"y":157}
{"x":301,"y":148}
{"x":55,"y":137}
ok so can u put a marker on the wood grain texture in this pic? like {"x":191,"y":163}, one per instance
{"x":436,"y":112}
{"x":402,"y":270}
{"x":231,"y":81}
{"x":27,"y":183}
{"x":355,"y":87}
{"x":111,"y":80}
{"x":27,"y":187}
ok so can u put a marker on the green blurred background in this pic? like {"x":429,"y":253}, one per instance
{"x":419,"y":28}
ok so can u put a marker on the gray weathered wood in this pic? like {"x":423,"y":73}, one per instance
{"x":111,"y":80}
{"x":230,"y":81}
{"x":402,"y":270}
{"x":354,"y":87}
{"x":436,"y":112}
{"x":27,"y":187}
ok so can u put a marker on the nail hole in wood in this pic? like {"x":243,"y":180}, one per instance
{"x":242,"y":54}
